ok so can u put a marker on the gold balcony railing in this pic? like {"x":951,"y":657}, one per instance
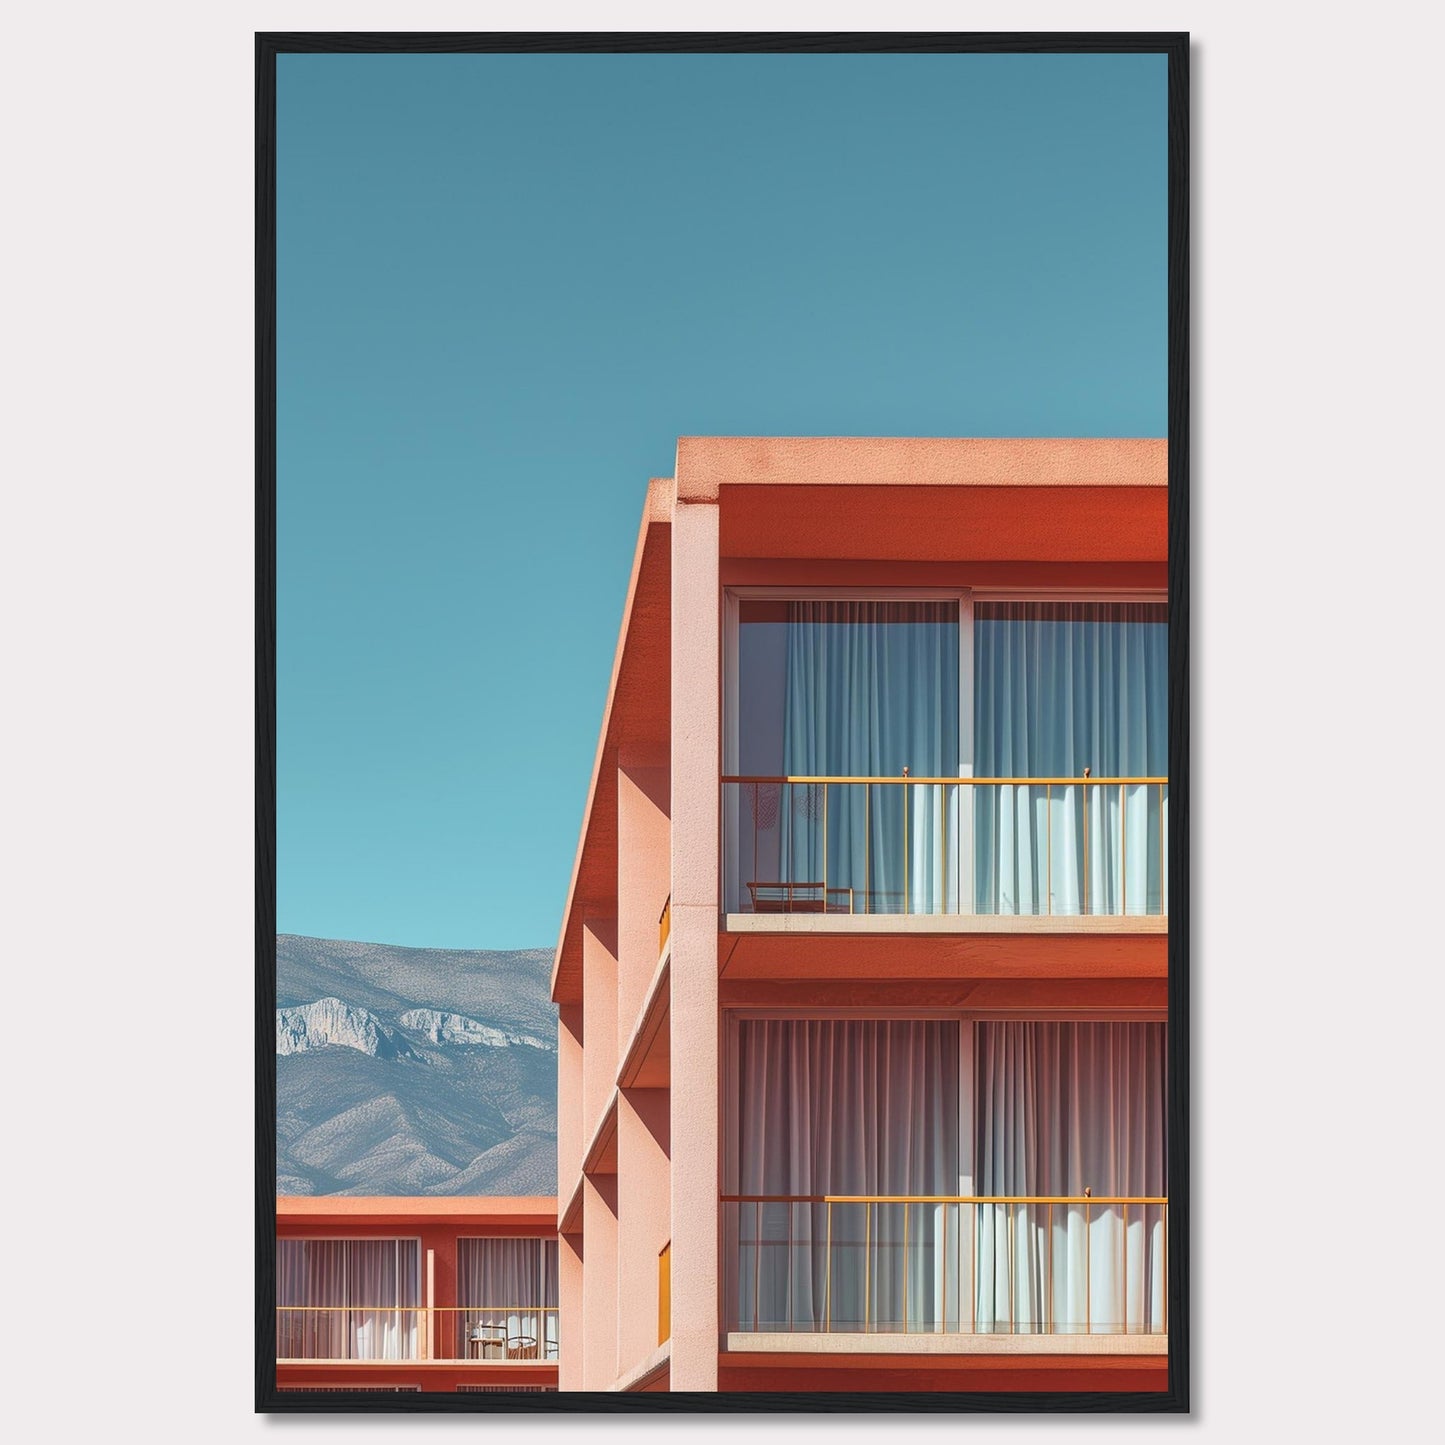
{"x":948,"y":1264}
{"x":664,"y":925}
{"x":497,"y":1333}
{"x":664,"y":1293}
{"x":1049,"y":846}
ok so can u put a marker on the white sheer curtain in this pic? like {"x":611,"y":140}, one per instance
{"x":348,"y":1299}
{"x":842,"y":1106}
{"x":507,"y":1288}
{"x":1064,"y":1107}
{"x":1060,"y":687}
{"x":871,"y":689}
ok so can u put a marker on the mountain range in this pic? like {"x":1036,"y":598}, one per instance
{"x":413,"y":1070}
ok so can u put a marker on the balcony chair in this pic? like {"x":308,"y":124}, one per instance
{"x":488,"y":1341}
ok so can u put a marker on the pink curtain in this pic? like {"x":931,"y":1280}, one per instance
{"x":1061,"y":1108}
{"x":508,"y":1292}
{"x":842,"y":1106}
{"x":870,"y":1107}
{"x":347,"y":1299}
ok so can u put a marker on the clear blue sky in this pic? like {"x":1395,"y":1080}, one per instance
{"x":507,"y":284}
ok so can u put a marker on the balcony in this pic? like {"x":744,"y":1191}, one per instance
{"x":948,"y":1273}
{"x":847,"y":849}
{"x":385,"y":1334}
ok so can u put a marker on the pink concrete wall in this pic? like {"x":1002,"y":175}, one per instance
{"x":569,"y":1312}
{"x":599,"y":1289}
{"x":571,"y":1140}
{"x":599,"y":1020}
{"x":644,"y":868}
{"x":644,"y":1216}
{"x":696,"y":760}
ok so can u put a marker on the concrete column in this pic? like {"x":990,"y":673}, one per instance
{"x":644,"y":869}
{"x":599,"y":1293}
{"x":644,"y":1218}
{"x":599,"y":1020}
{"x":696,"y":758}
{"x":442,"y":1242}
{"x":570,"y":1140}
{"x":570,"y":1329}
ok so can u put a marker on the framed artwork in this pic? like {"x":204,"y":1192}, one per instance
{"x":773,"y":452}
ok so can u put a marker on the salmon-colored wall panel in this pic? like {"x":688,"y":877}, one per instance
{"x":1131,"y":994}
{"x":989,"y":524}
{"x":863,"y":573}
{"x":859,"y":957}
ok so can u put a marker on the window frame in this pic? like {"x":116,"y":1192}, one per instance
{"x":966,"y":1019}
{"x":540,"y":1239}
{"x":733,"y":596}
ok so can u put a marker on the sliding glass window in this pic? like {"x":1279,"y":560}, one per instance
{"x":881,"y":754}
{"x":844,"y":691}
{"x":946,"y":1176}
{"x":507,"y":1299}
{"x":1063,"y":690}
{"x":348,"y":1299}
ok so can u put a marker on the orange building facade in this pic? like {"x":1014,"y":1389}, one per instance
{"x":862,"y":975}
{"x":412,"y":1293}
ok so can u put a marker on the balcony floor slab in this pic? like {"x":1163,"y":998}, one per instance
{"x":942,"y":923}
{"x":797,"y":1342}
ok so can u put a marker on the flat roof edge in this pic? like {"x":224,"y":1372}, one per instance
{"x":656,"y":511}
{"x":707,"y":464}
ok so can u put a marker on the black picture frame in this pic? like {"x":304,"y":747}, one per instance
{"x":1173,"y":45}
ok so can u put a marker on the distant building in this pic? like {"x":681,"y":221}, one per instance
{"x":862,"y":975}
{"x":405,"y":1293}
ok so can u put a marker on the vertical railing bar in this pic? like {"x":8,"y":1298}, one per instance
{"x":867,"y":1264}
{"x":1166,"y":1268}
{"x":790,"y":1258}
{"x":1086,"y":847}
{"x":757,"y":1257}
{"x":825,"y":848}
{"x":960,"y":1266}
{"x":907,"y":901}
{"x":1049,"y":1292}
{"x":1161,"y":848}
{"x":1123,"y":851}
{"x":1126,"y":1269}
{"x":944,"y":790}
{"x":828,"y":1275}
{"x":1088,"y":1272}
{"x":867,"y":845}
{"x":1013,"y":1311}
{"x":973,"y":1272}
{"x":1049,"y":842}
{"x":757,"y":802}
{"x":944,"y":1325}
{"x":905,"y":1268}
